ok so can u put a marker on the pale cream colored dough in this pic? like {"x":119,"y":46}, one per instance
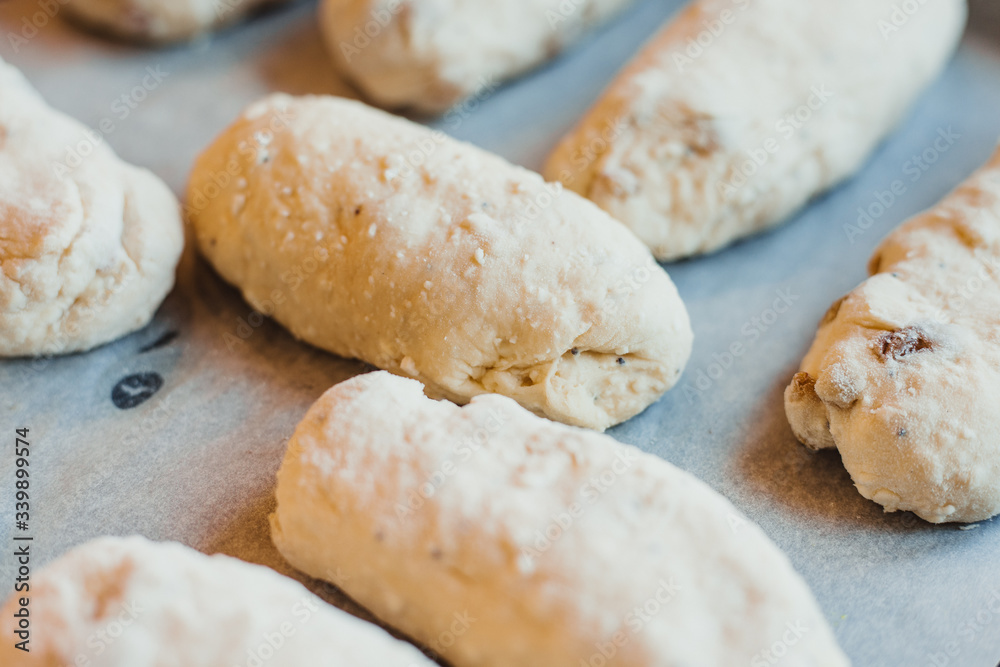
{"x":375,"y":238}
{"x":88,"y":243}
{"x":497,"y":538}
{"x":129,"y":602}
{"x":739,"y":112}
{"x":904,"y":374}
{"x":161,"y":21}
{"x":430,"y":54}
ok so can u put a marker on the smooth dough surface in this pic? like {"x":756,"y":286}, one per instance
{"x":739,"y":112}
{"x":497,"y":538}
{"x":129,"y":602}
{"x":161,"y":20}
{"x":375,"y":238}
{"x":904,"y":375}
{"x":430,"y":54}
{"x":88,"y":245}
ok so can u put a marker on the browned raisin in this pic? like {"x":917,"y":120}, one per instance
{"x":803,"y":384}
{"x":903,"y":342}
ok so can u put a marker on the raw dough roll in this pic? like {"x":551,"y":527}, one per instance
{"x":739,"y":112}
{"x":497,"y":538}
{"x":904,"y":374}
{"x":88,"y":243}
{"x":130,"y":602}
{"x":430,"y":54}
{"x":375,"y":238}
{"x":160,"y":20}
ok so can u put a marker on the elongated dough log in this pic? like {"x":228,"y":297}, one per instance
{"x":904,"y":374}
{"x":88,"y":243}
{"x":430,"y":54}
{"x":501,"y":539}
{"x":374,"y":238}
{"x":129,"y":602}
{"x":161,"y":21}
{"x":739,"y":112}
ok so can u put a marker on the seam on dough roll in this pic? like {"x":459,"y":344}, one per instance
{"x":88,"y":245}
{"x":738,"y":113}
{"x":375,"y":238}
{"x":430,"y":54}
{"x":904,"y":372}
{"x":129,"y":602}
{"x":497,"y":538}
{"x":160,"y":21}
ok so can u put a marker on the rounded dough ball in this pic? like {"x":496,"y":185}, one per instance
{"x":88,"y":243}
{"x":375,"y":238}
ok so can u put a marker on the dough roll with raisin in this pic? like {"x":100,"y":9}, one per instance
{"x":904,"y":375}
{"x":129,"y":602}
{"x":497,"y":538}
{"x":375,"y":238}
{"x":740,"y":112}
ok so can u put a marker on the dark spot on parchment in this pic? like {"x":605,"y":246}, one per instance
{"x":133,"y":390}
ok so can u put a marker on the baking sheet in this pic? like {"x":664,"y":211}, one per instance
{"x":196,"y":462}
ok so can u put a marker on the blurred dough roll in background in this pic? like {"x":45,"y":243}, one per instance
{"x":739,"y":112}
{"x":160,"y":20}
{"x":430,"y":54}
{"x":129,"y":602}
{"x":420,"y":54}
{"x":376,"y":238}
{"x":88,"y":243}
